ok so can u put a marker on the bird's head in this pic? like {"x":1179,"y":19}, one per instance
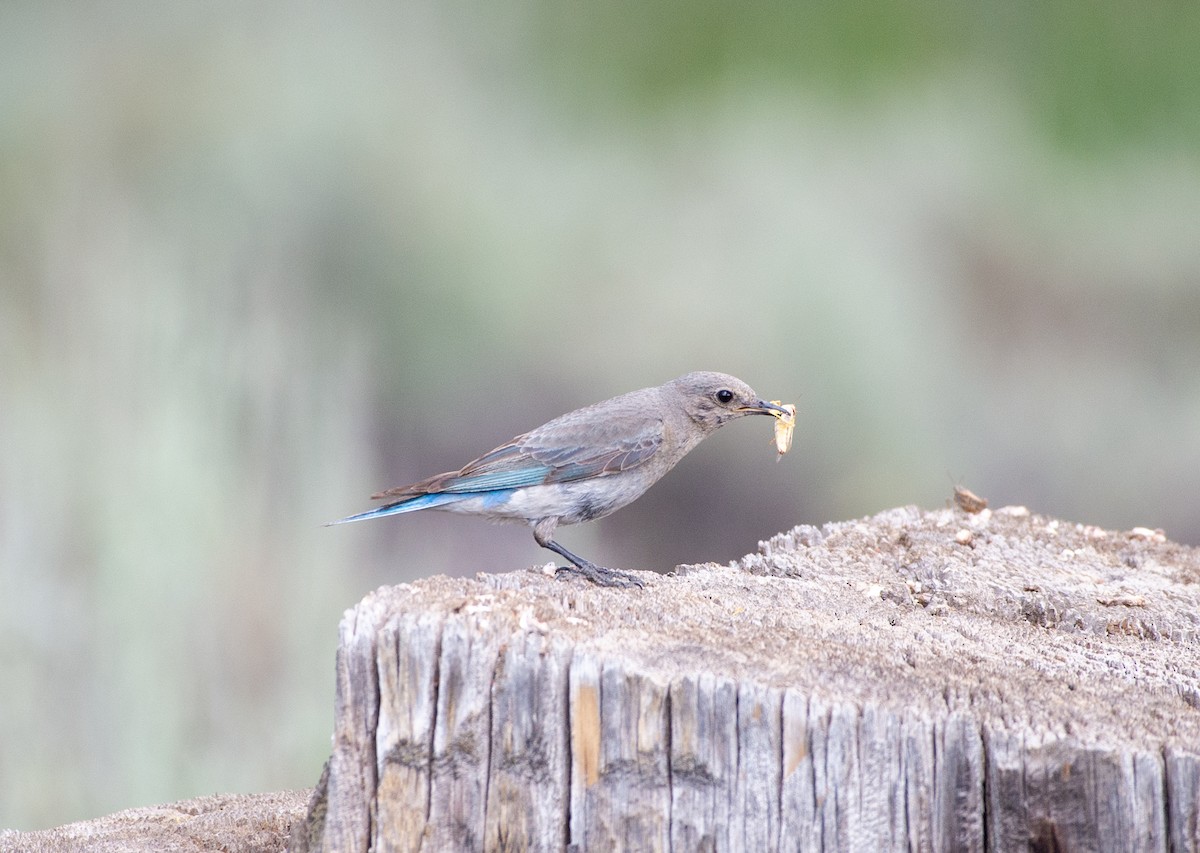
{"x":714,"y":399}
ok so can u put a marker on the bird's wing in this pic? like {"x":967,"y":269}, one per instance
{"x":611,"y":446}
{"x":558,"y":452}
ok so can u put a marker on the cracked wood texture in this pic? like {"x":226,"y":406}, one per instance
{"x":915,"y":681}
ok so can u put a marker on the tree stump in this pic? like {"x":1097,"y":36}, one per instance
{"x":913,"y":681}
{"x":246,"y":823}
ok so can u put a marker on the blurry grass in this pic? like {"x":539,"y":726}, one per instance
{"x":255,"y":266}
{"x":1095,"y":76}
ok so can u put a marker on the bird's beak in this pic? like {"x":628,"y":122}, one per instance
{"x":762,"y":407}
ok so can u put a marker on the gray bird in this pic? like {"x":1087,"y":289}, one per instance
{"x":585,"y":464}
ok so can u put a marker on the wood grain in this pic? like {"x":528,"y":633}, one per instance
{"x":914,"y":681}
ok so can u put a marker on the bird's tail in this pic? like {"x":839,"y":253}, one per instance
{"x":406,"y":505}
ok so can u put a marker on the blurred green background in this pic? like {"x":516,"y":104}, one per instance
{"x":258,"y":261}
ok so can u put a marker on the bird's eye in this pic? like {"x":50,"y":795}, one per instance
{"x":724,"y":395}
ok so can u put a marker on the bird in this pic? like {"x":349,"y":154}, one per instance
{"x":585,"y":464}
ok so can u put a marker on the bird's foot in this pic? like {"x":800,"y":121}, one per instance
{"x":600,"y":576}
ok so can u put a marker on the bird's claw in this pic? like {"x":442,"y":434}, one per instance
{"x":600,"y":576}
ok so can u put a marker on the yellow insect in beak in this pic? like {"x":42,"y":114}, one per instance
{"x":785,"y":424}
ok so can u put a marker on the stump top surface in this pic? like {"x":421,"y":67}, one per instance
{"x":1040,"y":626}
{"x":245,"y":822}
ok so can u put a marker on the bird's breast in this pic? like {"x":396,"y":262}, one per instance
{"x":575,"y":502}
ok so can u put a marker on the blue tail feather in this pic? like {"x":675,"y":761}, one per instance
{"x":424,"y":502}
{"x":410,"y":505}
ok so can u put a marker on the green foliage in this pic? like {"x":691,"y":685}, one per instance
{"x":1098,"y":75}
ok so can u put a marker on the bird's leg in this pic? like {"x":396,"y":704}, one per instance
{"x":598,"y":575}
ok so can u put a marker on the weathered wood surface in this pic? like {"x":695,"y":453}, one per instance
{"x":245,"y":823}
{"x":913,"y":681}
